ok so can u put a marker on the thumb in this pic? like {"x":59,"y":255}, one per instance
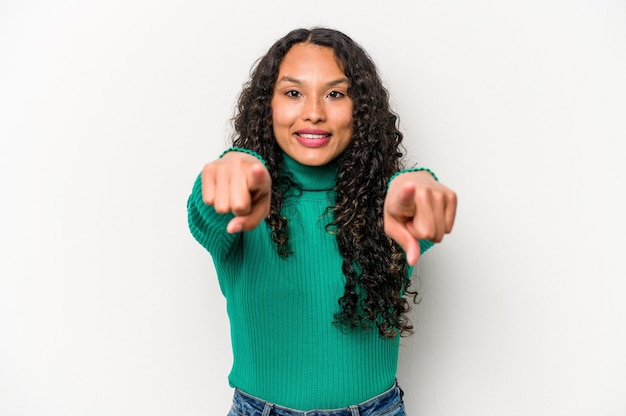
{"x":401,"y":204}
{"x":258,"y":179}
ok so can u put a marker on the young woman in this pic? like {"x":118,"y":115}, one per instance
{"x":314,"y":226}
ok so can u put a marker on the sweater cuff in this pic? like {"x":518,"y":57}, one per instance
{"x":243,"y":150}
{"x":425,"y":245}
{"x":411,"y":170}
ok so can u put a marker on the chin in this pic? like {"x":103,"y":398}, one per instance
{"x":311,"y":158}
{"x":314,"y":161}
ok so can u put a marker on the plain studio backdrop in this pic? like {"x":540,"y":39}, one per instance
{"x":108,"y":111}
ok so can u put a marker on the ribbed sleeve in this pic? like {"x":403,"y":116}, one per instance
{"x":425,"y":245}
{"x":207,"y":226}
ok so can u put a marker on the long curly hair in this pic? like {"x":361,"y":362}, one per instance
{"x":374,"y":266}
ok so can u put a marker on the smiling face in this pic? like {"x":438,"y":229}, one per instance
{"x":311,"y":110}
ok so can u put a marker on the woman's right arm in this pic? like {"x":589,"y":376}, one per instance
{"x":231,"y":195}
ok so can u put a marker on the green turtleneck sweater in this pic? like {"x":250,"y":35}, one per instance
{"x":286,"y":349}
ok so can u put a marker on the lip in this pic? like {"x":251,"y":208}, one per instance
{"x":312,"y":137}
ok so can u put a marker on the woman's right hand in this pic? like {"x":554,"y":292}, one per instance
{"x":238,"y":183}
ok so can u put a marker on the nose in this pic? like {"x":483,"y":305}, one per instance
{"x":314,"y":109}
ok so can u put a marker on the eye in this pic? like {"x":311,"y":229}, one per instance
{"x":336,"y":94}
{"x":292,"y":94}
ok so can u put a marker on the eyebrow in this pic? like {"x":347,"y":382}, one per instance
{"x":298,"y":82}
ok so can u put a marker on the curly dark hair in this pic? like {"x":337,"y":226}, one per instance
{"x":374,"y":266}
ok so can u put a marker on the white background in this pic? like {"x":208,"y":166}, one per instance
{"x":109,"y":109}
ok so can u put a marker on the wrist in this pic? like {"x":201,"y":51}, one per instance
{"x":395,"y":175}
{"x":247,"y":151}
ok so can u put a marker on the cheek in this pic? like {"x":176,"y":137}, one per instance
{"x":343,"y":116}
{"x":282,"y":116}
{"x":345,"y":121}
{"x":348,"y":129}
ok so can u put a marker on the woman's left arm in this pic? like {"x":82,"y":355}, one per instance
{"x":418,"y":207}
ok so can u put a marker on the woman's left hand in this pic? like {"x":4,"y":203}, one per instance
{"x":417,"y":207}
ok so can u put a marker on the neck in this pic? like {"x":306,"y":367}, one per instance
{"x":311,"y":178}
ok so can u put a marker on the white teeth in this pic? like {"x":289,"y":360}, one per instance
{"x":313,"y":136}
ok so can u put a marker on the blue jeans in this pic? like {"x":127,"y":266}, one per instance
{"x":388,"y":403}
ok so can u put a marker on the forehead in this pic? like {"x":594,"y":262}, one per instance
{"x":310,"y":59}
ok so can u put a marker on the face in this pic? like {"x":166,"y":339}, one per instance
{"x":311,"y":110}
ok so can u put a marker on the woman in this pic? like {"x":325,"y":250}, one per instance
{"x":313,"y":227}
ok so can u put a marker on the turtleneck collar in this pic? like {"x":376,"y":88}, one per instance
{"x":311,"y":178}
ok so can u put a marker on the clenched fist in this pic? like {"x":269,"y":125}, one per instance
{"x":238,"y":183}
{"x":417,"y":207}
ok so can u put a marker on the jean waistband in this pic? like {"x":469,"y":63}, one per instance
{"x":384,"y":402}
